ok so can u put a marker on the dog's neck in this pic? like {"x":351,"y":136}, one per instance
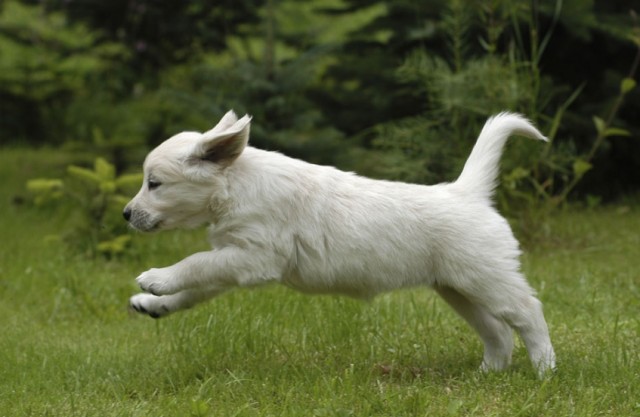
{"x":263,"y":183}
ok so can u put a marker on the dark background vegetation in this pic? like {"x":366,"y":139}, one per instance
{"x":395,"y":89}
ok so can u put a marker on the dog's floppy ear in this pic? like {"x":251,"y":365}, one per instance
{"x":225,"y":142}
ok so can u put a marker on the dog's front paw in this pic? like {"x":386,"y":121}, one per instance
{"x":149,"y":304}
{"x":156,"y":281}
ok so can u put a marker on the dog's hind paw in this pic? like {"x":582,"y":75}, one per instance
{"x":149,"y":304}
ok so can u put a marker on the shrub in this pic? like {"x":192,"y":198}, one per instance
{"x":95,"y":198}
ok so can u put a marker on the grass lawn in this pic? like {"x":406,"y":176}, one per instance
{"x":70,"y":347}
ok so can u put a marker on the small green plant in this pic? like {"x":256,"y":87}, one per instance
{"x":554,"y":173}
{"x":95,"y":198}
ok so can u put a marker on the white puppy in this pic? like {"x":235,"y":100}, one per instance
{"x":321,"y":230}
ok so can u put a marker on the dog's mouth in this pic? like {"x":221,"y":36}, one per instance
{"x":143,"y":222}
{"x":146,"y":229}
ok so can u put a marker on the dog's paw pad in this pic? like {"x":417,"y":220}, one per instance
{"x":148,"y":304}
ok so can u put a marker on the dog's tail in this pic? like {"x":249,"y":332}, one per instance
{"x":480,"y":173}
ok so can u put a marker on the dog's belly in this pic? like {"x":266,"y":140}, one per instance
{"x":355,"y":281}
{"x":322,"y":287}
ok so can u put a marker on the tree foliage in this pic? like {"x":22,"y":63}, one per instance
{"x":45,"y":64}
{"x":391,"y":89}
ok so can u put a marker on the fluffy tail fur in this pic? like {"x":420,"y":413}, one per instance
{"x":480,"y":173}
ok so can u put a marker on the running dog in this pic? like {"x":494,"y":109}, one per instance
{"x":321,"y":230}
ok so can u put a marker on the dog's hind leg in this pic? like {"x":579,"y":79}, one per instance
{"x":159,"y":306}
{"x":524,"y":314}
{"x":495,"y":333}
{"x":509,"y":297}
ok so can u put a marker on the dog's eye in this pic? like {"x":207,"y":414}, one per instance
{"x":152,"y":184}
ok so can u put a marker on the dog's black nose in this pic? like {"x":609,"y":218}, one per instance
{"x":126,"y":214}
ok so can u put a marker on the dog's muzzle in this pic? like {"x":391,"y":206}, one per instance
{"x":140,"y":220}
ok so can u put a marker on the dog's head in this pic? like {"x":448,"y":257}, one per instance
{"x":184,"y":177}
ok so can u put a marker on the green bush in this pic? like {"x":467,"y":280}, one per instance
{"x":95,"y":198}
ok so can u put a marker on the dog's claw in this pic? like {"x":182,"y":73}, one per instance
{"x":137,"y":308}
{"x":142,"y":310}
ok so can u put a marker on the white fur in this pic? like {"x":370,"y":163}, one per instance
{"x":321,"y":230}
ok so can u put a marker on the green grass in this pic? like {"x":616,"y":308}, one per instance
{"x":70,"y":347}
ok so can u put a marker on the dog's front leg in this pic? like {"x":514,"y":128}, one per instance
{"x":214,"y":270}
